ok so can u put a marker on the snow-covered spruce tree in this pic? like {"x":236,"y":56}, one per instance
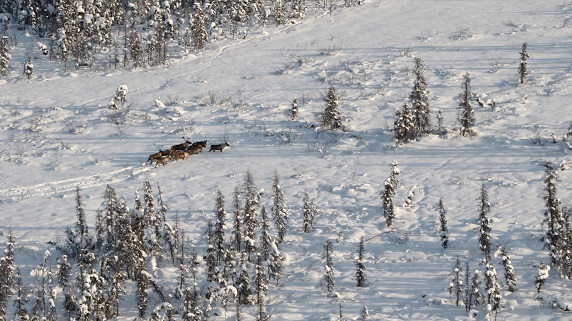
{"x":28,"y":69}
{"x":331,"y":118}
{"x":261,"y":284}
{"x":419,"y":99}
{"x":4,"y":54}
{"x":310,"y":210}
{"x":364,"y":315}
{"x":553,"y":217}
{"x":443,"y":230}
{"x":456,"y":284}
{"x":467,"y":113}
{"x":20,"y":312}
{"x":118,"y":100}
{"x":280,"y":14}
{"x":492,"y":288}
{"x":522,"y":71}
{"x":279,"y":212}
{"x":251,"y":202}
{"x":7,"y":275}
{"x":199,"y":32}
{"x":509,"y":275}
{"x":566,"y":259}
{"x":219,"y":227}
{"x":541,"y":276}
{"x":294,"y":109}
{"x":141,"y":289}
{"x":275,"y":264}
{"x":236,"y":238}
{"x":70,"y":303}
{"x":78,"y":241}
{"x":242,"y":282}
{"x":440,"y":126}
{"x":327,"y":255}
{"x":388,"y":192}
{"x":467,"y":287}
{"x":484,"y":220}
{"x":265,"y":237}
{"x":360,"y":266}
{"x":475,"y":296}
{"x":403,"y":126}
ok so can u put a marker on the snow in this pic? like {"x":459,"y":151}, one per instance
{"x":56,"y":134}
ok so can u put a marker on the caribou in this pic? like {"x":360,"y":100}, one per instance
{"x":160,"y":154}
{"x":219,"y":147}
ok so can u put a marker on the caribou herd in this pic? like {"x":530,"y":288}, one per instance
{"x":182,"y":151}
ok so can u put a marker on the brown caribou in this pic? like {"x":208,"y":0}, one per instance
{"x":160,"y":154}
{"x":220,"y":147}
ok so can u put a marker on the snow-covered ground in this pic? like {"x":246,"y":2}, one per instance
{"x":57,"y":133}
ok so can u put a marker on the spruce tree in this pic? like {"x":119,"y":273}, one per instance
{"x":541,"y":276}
{"x":553,"y":218}
{"x":444,"y":231}
{"x":327,"y":256}
{"x":508,"y":270}
{"x":294,"y":109}
{"x":260,"y":282}
{"x":360,"y":266}
{"x":476,"y":297}
{"x":404,"y":126}
{"x":4,"y":54}
{"x":492,"y":287}
{"x":484,"y":220}
{"x":279,"y":212}
{"x":199,"y":32}
{"x":388,"y":192}
{"x":219,"y":228}
{"x":522,"y":71}
{"x":419,"y":98}
{"x":265,"y":237}
{"x":236,"y":238}
{"x":456,"y":284}
{"x":467,"y":113}
{"x":331,"y":118}
{"x":309,"y":209}
{"x":251,"y":223}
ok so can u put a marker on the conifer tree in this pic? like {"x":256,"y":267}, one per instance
{"x":553,"y":218}
{"x":492,"y":288}
{"x":20,"y":312}
{"x":260,"y":281}
{"x":7,"y":274}
{"x":522,"y":71}
{"x":419,"y":99}
{"x":242,"y":283}
{"x":327,"y":256}
{"x":142,"y":286}
{"x":4,"y":54}
{"x":456,"y":284}
{"x":440,"y":126}
{"x":484,"y":220}
{"x":251,"y":223}
{"x":279,"y":212}
{"x":294,"y":109}
{"x":331,"y":118}
{"x":275,"y":265}
{"x":467,"y":113}
{"x":508,"y":270}
{"x":444,"y":231}
{"x":364,"y":315}
{"x":219,"y":228}
{"x":199,"y":32}
{"x":236,"y":238}
{"x":476,"y":297}
{"x":404,"y":126}
{"x":541,"y":276}
{"x":360,"y":266}
{"x":310,"y":210}
{"x":388,"y":192}
{"x":265,"y":237}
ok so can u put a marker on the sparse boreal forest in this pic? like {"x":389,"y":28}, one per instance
{"x":285,"y":160}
